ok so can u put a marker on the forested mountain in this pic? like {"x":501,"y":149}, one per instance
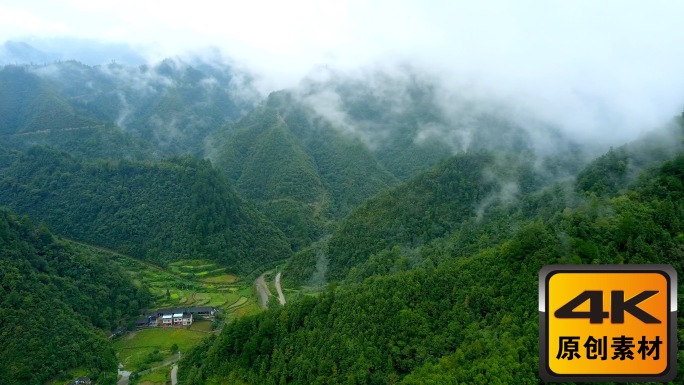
{"x":169,"y":107}
{"x":172,"y":104}
{"x":462,"y":194}
{"x":302,"y":172}
{"x":411,"y":119}
{"x":306,"y":157}
{"x":422,"y":214}
{"x":57,"y":306}
{"x":101,"y":141}
{"x":29,"y":104}
{"x":311,"y":154}
{"x":454,"y":317}
{"x":431,"y":205}
{"x":35,"y":50}
{"x":180,"y":208}
{"x":33,"y":112}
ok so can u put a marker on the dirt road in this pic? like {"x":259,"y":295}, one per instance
{"x":174,"y":375}
{"x":262,"y":289}
{"x":125,"y":374}
{"x":168,"y":362}
{"x":281,"y":296}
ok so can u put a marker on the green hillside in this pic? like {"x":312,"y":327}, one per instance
{"x":406,"y":220}
{"x":57,"y":306}
{"x":29,"y":104}
{"x":91,"y":142}
{"x":34,"y":112}
{"x":410,"y":121}
{"x":432,"y":204}
{"x":300,"y":171}
{"x":611,"y":172}
{"x":468,"y":198}
{"x":177,"y":209}
{"x":173,"y":104}
{"x":471,"y":318}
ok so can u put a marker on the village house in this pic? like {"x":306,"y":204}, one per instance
{"x":81,"y":381}
{"x":167,"y":320}
{"x":181,"y":316}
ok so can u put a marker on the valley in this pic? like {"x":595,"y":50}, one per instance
{"x":370,"y":227}
{"x":148,"y":353}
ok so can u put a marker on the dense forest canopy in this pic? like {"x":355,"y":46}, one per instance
{"x":168,"y":108}
{"x":57,"y":305}
{"x":468,"y":319}
{"x":160,"y":212}
{"x":303,"y":174}
{"x":409,"y":221}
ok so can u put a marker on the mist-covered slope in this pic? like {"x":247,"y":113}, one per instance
{"x":339,"y":138}
{"x":41,"y":51}
{"x":57,"y":306}
{"x":613,"y":171}
{"x":29,"y":104}
{"x":34,"y":112}
{"x":430,"y":205}
{"x":470,"y":319}
{"x":301,"y":172}
{"x":434,"y":203}
{"x":477,"y":198}
{"x":410,"y":119}
{"x":175,"y":209}
{"x":172,"y":105}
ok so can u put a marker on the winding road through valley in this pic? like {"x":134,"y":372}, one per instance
{"x":281,"y":296}
{"x":262,"y":289}
{"x":265,"y":292}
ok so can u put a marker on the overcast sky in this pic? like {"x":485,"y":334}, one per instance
{"x":624,"y":57}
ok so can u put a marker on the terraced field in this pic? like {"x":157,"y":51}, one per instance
{"x":186,"y":283}
{"x":183,"y":283}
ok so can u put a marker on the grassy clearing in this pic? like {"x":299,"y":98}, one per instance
{"x":201,"y":326}
{"x":136,"y":350}
{"x":71,"y":374}
{"x":221,"y":279}
{"x":156,"y":377}
{"x":196,"y":269}
{"x":241,"y":301}
{"x":184,"y":284}
{"x":249,"y":309}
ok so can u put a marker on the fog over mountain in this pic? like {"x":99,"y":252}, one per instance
{"x":603,"y":72}
{"x":403,"y":169}
{"x":46,"y":50}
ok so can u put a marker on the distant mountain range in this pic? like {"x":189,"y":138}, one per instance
{"x":49,"y":50}
{"x":173,"y":104}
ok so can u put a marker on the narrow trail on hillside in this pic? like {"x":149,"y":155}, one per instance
{"x":281,"y":296}
{"x":51,"y":130}
{"x":114,"y":252}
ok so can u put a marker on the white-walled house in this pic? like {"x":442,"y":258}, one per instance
{"x":166,"y":320}
{"x":180,"y":316}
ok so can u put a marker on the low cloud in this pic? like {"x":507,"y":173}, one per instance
{"x":318,"y":277}
{"x":603,"y":72}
